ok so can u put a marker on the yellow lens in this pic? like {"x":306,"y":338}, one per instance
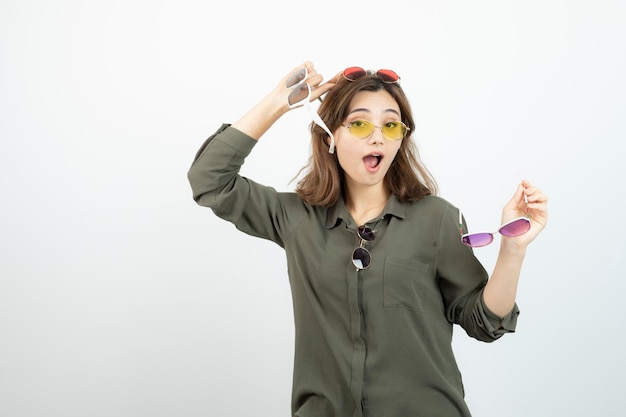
{"x":394,"y":130}
{"x":361,"y":128}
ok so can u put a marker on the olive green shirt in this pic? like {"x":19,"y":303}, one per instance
{"x":374,"y":342}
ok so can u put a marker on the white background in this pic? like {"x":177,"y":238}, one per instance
{"x":119,"y":296}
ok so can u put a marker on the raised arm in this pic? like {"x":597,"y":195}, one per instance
{"x":501,"y":290}
{"x":261,"y":117}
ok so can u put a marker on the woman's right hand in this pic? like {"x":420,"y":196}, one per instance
{"x":313,"y":79}
{"x":261,"y":117}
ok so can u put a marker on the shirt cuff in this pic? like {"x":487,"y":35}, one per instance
{"x":230,"y":136}
{"x":236,"y":139}
{"x":495,"y":325}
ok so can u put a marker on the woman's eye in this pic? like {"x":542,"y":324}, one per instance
{"x":391,"y":125}
{"x":357,"y":123}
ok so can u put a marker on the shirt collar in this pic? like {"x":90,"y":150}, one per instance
{"x":338,"y":211}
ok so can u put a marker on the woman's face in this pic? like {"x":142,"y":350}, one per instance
{"x":366,"y":161}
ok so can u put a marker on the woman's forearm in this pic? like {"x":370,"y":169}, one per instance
{"x":501,"y":289}
{"x":261,"y":117}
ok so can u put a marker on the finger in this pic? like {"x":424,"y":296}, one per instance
{"x":320,"y":90}
{"x":336,"y":78}
{"x":534,"y":195}
{"x":307,"y":64}
{"x":314,"y":80}
{"x":517,"y":198}
{"x":538,"y":206}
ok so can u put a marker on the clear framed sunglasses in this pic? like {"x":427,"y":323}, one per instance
{"x":363,"y":129}
{"x":361,"y":257}
{"x":301,"y":96}
{"x":515,"y":227}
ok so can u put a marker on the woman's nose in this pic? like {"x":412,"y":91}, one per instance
{"x":377,"y":136}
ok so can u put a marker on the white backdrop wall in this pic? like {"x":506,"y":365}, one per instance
{"x":120,"y":297}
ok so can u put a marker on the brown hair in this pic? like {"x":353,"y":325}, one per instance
{"x":322,"y":185}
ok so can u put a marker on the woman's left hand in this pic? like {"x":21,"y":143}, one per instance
{"x":530,"y":201}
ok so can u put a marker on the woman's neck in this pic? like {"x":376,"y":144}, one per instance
{"x":366,"y":203}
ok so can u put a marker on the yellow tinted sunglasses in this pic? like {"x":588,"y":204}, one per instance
{"x":363,"y":129}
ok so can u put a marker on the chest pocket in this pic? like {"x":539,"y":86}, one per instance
{"x":408,"y":284}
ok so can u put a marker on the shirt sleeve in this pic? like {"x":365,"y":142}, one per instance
{"x":215,"y":182}
{"x":462,"y":281}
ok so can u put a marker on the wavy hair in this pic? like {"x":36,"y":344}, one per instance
{"x":323,"y":180}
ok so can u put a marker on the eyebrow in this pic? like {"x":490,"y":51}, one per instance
{"x":369,"y":111}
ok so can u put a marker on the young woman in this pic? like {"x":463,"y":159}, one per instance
{"x":378,"y":269}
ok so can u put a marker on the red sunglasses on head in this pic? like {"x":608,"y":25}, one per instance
{"x":385,"y":75}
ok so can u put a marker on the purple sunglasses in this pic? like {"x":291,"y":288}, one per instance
{"x":515,"y":227}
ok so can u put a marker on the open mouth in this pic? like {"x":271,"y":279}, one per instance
{"x":372,"y":160}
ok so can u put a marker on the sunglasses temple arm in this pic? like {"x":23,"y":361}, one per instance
{"x":318,"y":121}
